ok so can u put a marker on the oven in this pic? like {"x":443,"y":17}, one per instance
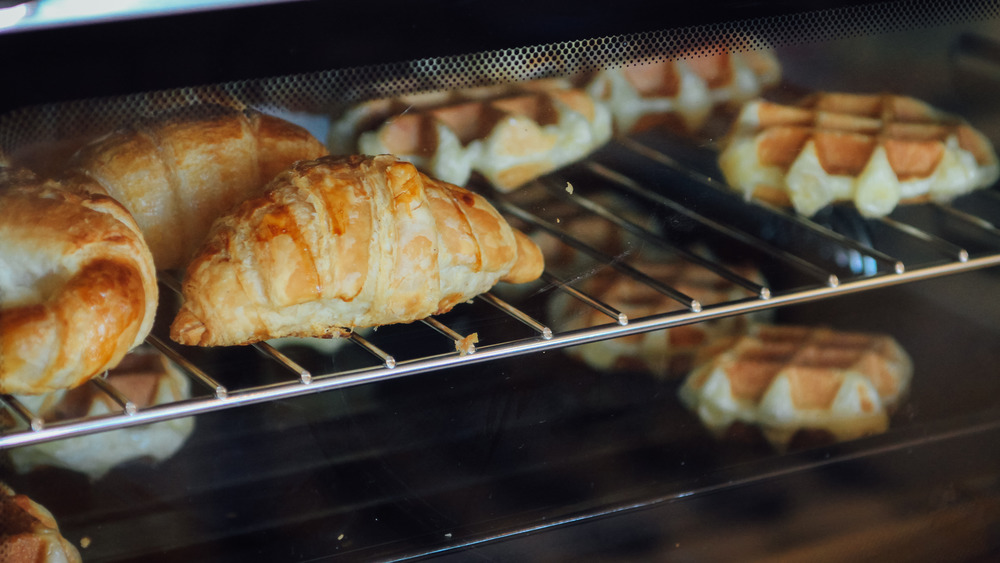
{"x":561,"y":431}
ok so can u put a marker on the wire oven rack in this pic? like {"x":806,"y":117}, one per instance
{"x":645,"y":170}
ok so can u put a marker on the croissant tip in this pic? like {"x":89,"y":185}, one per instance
{"x":187,"y":329}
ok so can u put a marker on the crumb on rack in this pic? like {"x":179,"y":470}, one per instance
{"x":85,"y":542}
{"x":569,"y":188}
{"x":467,"y":345}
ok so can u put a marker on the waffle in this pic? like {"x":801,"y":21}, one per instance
{"x":146,"y":378}
{"x":789,"y":379}
{"x":29,"y":533}
{"x":683,"y":93}
{"x":665,"y":353}
{"x":350,"y":122}
{"x":509,"y":138}
{"x":876,"y":151}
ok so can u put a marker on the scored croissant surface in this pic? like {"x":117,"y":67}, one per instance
{"x":344,"y":242}
{"x":179,"y":171}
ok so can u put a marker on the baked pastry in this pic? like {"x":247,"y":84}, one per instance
{"x":77,"y":285}
{"x":876,"y":151}
{"x":509,"y":139}
{"x":286,"y":263}
{"x":348,"y":123}
{"x":682,"y":93}
{"x":663,"y":353}
{"x":790,"y":379}
{"x":29,"y":533}
{"x":146,"y":378}
{"x":177,"y":172}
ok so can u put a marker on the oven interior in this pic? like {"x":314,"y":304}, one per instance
{"x":392,"y":444}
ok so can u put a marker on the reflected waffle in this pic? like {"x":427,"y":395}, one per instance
{"x":146,"y":378}
{"x":510,"y":139}
{"x":29,"y":533}
{"x":790,"y":379}
{"x":876,"y":151}
{"x":664,"y":353}
{"x":683,"y":93}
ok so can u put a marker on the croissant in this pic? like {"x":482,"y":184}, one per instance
{"x":344,"y":242}
{"x":77,"y":285}
{"x":178,"y":172}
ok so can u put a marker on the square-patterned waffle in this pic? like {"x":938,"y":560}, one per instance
{"x":682,"y":92}
{"x":29,"y":533}
{"x":876,"y":151}
{"x":786,"y":379}
{"x":146,"y":378}
{"x":510,"y":138}
{"x":663,"y":353}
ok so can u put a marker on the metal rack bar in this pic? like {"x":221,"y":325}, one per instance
{"x":968,"y":218}
{"x":34,"y":422}
{"x":637,"y":230}
{"x":615,"y":314}
{"x":201,"y":377}
{"x":938,"y":243}
{"x":525,"y":318}
{"x":284,"y":360}
{"x":615,"y":263}
{"x":128,"y":407}
{"x":797,"y":262}
{"x":387,"y":360}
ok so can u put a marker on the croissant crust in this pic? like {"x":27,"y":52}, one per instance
{"x":179,"y":171}
{"x":344,"y":242}
{"x":77,"y":285}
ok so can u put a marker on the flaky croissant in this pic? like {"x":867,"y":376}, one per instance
{"x":176,"y":173}
{"x":344,"y":242}
{"x":77,"y":285}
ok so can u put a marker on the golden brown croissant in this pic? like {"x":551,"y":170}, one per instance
{"x":178,"y":172}
{"x":77,"y":285}
{"x":339,"y":243}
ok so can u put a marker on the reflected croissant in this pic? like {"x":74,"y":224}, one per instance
{"x":177,"y":172}
{"x":344,"y":242}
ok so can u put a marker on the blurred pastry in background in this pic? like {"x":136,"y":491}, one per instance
{"x":29,"y":533}
{"x":663,"y":353}
{"x":179,"y":170}
{"x":681,"y":92}
{"x":144,"y":377}
{"x":792,"y":380}
{"x":509,"y":138}
{"x":875,"y":151}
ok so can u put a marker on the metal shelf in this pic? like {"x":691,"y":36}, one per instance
{"x":816,"y":278}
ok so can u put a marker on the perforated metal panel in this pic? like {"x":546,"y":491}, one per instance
{"x":322,"y":92}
